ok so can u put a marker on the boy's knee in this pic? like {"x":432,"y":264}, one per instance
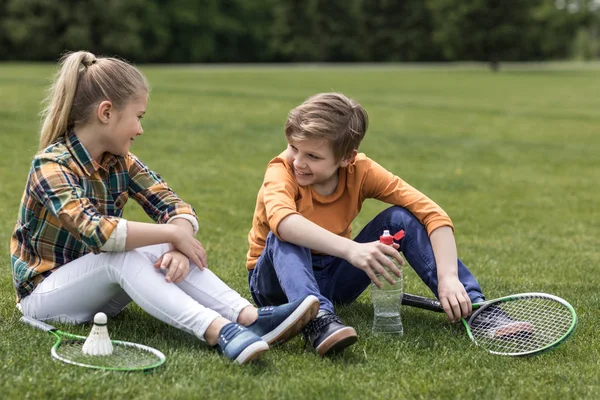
{"x":397,"y":215}
{"x":272,"y":239}
{"x":274,"y":243}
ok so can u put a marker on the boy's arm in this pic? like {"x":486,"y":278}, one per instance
{"x":280,"y":191}
{"x":372,"y":257}
{"x":451,"y":292}
{"x":385,"y":186}
{"x":381,"y":184}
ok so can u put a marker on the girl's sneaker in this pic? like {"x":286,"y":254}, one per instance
{"x":278,"y":324}
{"x":240,"y":344}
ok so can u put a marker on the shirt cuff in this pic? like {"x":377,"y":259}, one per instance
{"x":116,"y":241}
{"x":187,"y":217}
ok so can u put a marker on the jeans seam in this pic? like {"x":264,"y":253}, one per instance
{"x":418,"y":251}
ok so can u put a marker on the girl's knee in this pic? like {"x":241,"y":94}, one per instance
{"x":153,"y":253}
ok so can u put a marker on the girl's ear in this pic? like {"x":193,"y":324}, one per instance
{"x":103,"y":111}
{"x":349,"y":160}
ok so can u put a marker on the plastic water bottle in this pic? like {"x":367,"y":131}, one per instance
{"x":387,"y":300}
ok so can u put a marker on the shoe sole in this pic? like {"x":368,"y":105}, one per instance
{"x":292,"y":325}
{"x":514,"y":330}
{"x":337,"y":341}
{"x":252,"y":352}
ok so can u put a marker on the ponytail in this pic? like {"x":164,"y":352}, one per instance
{"x":81,"y":83}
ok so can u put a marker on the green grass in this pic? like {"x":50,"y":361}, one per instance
{"x":512,"y":157}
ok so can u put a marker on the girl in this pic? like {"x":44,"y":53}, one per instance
{"x":73,"y":254}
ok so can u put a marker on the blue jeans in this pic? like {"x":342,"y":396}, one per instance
{"x":286,"y":272}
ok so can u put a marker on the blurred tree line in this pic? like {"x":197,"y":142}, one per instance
{"x":185,"y":31}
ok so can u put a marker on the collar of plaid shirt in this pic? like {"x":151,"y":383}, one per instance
{"x":81,"y":155}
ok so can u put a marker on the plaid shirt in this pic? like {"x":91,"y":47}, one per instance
{"x":72,"y":205}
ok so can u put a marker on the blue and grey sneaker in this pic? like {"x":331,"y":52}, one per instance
{"x":240,"y":344}
{"x":278,"y":324}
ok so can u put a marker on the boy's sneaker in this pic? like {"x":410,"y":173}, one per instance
{"x":494,"y":323}
{"x":327,"y":334}
{"x":278,"y":324}
{"x":240,"y":344}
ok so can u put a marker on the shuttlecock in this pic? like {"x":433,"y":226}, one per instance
{"x":98,"y":343}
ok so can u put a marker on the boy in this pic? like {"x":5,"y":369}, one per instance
{"x":300,"y":238}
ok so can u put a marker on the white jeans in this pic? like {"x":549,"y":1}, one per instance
{"x":107,"y":282}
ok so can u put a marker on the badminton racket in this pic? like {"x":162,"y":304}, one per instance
{"x":126,"y":356}
{"x":515,"y":325}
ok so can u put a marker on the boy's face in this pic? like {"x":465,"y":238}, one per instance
{"x":314,"y":164}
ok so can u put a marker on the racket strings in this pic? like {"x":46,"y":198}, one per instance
{"x":522,"y":325}
{"x":124,"y":356}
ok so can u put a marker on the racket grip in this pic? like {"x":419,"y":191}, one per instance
{"x":421,"y":302}
{"x":37,"y":324}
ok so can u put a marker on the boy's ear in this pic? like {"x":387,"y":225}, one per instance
{"x":349,"y":160}
{"x":104,"y":111}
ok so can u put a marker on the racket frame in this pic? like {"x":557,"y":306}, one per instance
{"x":434,"y":305}
{"x":60,"y":335}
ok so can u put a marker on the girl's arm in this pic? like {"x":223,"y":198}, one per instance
{"x":141,"y":234}
{"x":185,"y":224}
{"x":151,"y":192}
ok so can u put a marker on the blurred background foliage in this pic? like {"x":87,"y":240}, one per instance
{"x":222,"y":31}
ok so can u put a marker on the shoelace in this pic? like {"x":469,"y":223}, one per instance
{"x":266,"y":310}
{"x":228,"y":332}
{"x":317,"y":324}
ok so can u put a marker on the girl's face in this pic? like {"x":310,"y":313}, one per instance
{"x":126,"y":125}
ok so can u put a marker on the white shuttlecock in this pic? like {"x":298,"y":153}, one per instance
{"x":98,"y":342}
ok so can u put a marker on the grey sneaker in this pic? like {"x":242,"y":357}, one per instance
{"x":493,"y":322}
{"x":327,"y":334}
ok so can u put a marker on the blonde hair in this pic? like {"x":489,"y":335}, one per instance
{"x":82,"y":82}
{"x":332,"y":117}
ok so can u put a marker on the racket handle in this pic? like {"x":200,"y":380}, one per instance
{"x":37,"y":324}
{"x":422,"y":302}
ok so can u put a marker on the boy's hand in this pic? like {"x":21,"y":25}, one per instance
{"x":454,"y":299}
{"x":373,"y":258}
{"x":176,"y":264}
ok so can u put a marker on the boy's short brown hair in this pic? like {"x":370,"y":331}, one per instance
{"x":332,"y":117}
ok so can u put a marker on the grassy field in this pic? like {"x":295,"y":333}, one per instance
{"x":512,"y":157}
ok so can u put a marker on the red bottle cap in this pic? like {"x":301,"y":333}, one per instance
{"x":399,"y":235}
{"x":388,"y":239}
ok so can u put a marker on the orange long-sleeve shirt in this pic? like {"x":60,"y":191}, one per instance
{"x":280,"y":196}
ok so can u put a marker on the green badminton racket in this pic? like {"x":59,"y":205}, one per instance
{"x":126,"y":356}
{"x":515,"y":325}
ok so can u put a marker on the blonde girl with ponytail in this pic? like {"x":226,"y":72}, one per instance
{"x":73,"y":253}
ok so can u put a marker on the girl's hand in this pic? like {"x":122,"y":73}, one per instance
{"x":373,"y":258}
{"x":176,"y":264}
{"x":190,"y":247}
